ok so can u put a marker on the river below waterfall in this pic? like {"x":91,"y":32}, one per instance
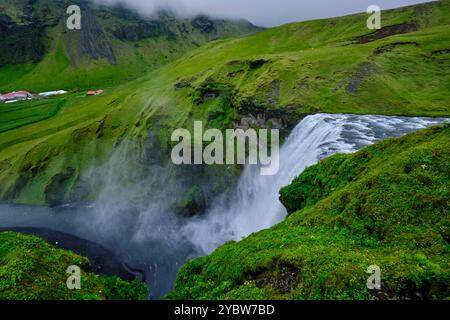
{"x":154,"y":246}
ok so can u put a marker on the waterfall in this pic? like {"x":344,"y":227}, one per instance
{"x":255,"y":205}
{"x":156,"y":241}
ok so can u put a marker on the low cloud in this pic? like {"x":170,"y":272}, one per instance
{"x":266,"y":13}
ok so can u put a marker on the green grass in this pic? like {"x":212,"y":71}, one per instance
{"x":68,"y":62}
{"x":381,"y":206}
{"x":31,"y":269}
{"x":386,"y":205}
{"x":27,"y":112}
{"x":280,"y":75}
{"x":315,"y":61}
{"x":82,"y":135}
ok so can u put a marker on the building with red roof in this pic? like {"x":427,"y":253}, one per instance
{"x":19,"y":95}
{"x":94,"y":93}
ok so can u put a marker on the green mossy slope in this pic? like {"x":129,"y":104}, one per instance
{"x":270,"y":79}
{"x":31,"y":269}
{"x":387,"y":205}
{"x":331,"y":65}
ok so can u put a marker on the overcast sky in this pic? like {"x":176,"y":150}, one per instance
{"x":265,"y":13}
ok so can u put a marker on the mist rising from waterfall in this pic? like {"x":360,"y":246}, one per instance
{"x":255,"y":205}
{"x":134,"y":213}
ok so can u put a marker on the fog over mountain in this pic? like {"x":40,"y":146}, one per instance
{"x":266,"y":13}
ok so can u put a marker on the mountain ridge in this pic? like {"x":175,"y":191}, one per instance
{"x":114,"y":43}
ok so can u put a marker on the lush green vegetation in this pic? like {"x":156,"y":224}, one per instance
{"x":31,"y":269}
{"x":321,"y":66}
{"x":113,"y":46}
{"x":24,"y":113}
{"x":387,"y":205}
{"x":269,"y":79}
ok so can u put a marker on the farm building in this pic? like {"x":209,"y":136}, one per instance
{"x":19,"y":95}
{"x":52,"y":93}
{"x":94,"y":93}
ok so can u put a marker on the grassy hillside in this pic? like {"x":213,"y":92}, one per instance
{"x":31,"y":269}
{"x":386,"y":205}
{"x":329,"y":66}
{"x":269,"y":79}
{"x":114,"y":45}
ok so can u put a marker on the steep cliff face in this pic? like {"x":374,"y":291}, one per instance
{"x":386,"y":205}
{"x":110,"y":39}
{"x":21,"y":39}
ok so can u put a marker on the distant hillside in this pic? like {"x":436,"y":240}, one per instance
{"x":275,"y":77}
{"x":386,"y":205}
{"x":38,"y":52}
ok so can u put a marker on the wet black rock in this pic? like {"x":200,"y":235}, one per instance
{"x":204,"y":24}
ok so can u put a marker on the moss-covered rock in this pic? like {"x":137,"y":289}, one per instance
{"x":387,"y":205}
{"x":31,"y":269}
{"x":192,"y":203}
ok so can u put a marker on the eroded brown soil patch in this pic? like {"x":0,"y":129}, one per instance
{"x":387,"y":32}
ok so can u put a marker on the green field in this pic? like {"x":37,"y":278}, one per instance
{"x":24,"y":113}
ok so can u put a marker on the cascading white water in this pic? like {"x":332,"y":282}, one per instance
{"x":255,"y":205}
{"x":155,"y":240}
